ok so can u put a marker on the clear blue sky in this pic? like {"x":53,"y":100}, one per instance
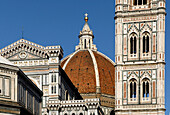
{"x":58,"y":22}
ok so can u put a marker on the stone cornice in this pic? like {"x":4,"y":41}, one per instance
{"x":136,"y":13}
{"x":55,"y":105}
{"x":140,"y":108}
{"x":139,"y":63}
{"x":8,"y":67}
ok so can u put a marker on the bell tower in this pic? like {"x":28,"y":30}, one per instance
{"x":140,"y":57}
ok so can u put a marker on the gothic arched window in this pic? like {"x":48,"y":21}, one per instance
{"x":133,"y":88}
{"x":133,"y":44}
{"x":146,"y":43}
{"x":53,"y":77}
{"x":139,"y":2}
{"x":52,"y":89}
{"x":145,"y":87}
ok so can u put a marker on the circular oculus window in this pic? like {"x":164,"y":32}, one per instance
{"x":23,"y":55}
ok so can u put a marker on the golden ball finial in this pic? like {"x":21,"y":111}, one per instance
{"x":86,"y":18}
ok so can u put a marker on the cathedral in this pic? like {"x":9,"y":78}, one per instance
{"x":87,"y":82}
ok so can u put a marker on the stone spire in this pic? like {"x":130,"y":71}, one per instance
{"x":86,"y":37}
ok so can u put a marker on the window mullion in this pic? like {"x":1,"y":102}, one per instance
{"x":145,"y":44}
{"x":145,"y":89}
{"x":142,"y":2}
{"x":133,"y":45}
{"x":132,"y":89}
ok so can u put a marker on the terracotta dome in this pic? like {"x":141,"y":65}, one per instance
{"x":90,"y":71}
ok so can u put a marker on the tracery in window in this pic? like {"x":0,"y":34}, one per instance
{"x":145,"y":87}
{"x":53,"y":89}
{"x":145,"y":42}
{"x":53,"y":77}
{"x":133,"y":44}
{"x":139,"y":2}
{"x":133,"y":89}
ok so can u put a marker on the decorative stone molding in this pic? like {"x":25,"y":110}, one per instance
{"x":66,"y":106}
{"x":33,"y":48}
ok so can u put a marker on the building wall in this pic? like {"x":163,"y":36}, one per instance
{"x":140,"y":56}
{"x":8,"y":84}
{"x":42,"y":65}
{"x":29,"y":95}
{"x":18,"y":91}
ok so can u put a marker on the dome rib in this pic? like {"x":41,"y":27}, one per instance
{"x":96,"y":71}
{"x":64,"y":66}
{"x":106,"y":57}
{"x":91,"y":72}
{"x":106,"y":73}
